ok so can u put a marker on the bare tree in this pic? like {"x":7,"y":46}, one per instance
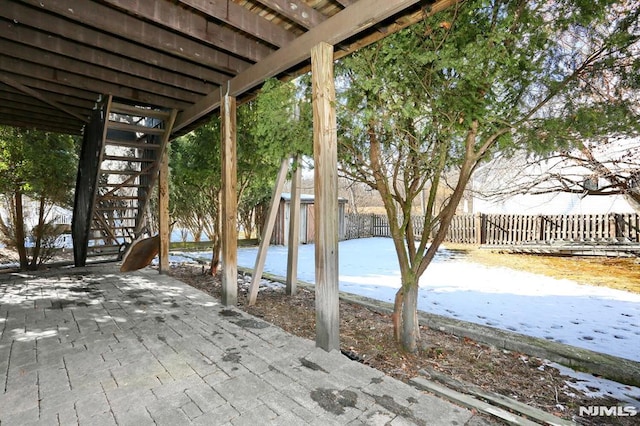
{"x":605,"y":168}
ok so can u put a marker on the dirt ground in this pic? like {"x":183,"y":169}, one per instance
{"x":367,"y":336}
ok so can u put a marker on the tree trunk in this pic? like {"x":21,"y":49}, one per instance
{"x":406,"y":328}
{"x":18,"y":222}
{"x":38,"y":234}
{"x":215,"y":256}
{"x":410,"y":326}
{"x":396,"y":316}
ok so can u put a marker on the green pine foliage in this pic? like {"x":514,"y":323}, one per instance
{"x":41,"y":166}
{"x":484,"y":76}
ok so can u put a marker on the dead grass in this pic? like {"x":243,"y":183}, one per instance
{"x":618,"y":273}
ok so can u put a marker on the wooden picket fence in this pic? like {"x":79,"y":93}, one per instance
{"x":504,"y":229}
{"x":365,"y":226}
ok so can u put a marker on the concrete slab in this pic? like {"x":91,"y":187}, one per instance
{"x":94,"y":346}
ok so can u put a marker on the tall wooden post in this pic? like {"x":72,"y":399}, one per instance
{"x":294,"y":229}
{"x":325,"y":149}
{"x":229,"y":203}
{"x":163,"y":214}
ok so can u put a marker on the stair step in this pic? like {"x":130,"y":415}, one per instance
{"x":119,"y":108}
{"x":113,"y":228}
{"x":128,"y":159}
{"x":103,"y":251}
{"x":119,"y":208}
{"x":123,"y":172}
{"x":126,"y":185}
{"x":134,"y":128}
{"x":131,"y":144}
{"x":121,"y":197}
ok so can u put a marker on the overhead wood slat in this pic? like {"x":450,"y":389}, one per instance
{"x":29,"y":106}
{"x":82,"y":36}
{"x":29,"y":91}
{"x":73,"y":98}
{"x":194,"y":25}
{"x":173,"y":54}
{"x":74,"y":80}
{"x":113,"y":21}
{"x":99,"y":73}
{"x":68,"y":50}
{"x":19,"y":121}
{"x":240,"y":18}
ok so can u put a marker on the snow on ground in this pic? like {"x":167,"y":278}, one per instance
{"x":597,"y":387}
{"x":595,"y":318}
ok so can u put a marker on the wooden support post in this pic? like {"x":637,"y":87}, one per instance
{"x":294,"y":229}
{"x":267,"y":231}
{"x":229,"y":205}
{"x":325,"y":149}
{"x":163,"y":214}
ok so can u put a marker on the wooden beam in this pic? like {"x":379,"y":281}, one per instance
{"x":325,"y":157}
{"x":84,"y":36}
{"x":32,"y":106}
{"x":139,"y":31}
{"x":71,"y":97}
{"x":294,"y":229}
{"x":73,"y":80}
{"x":229,"y":206}
{"x":243,"y":19}
{"x":473,"y":403}
{"x":183,"y":20}
{"x":346,"y":3}
{"x":24,"y":89}
{"x":267,"y":231}
{"x":77,"y":52}
{"x":336,"y":29}
{"x":25,"y":116}
{"x":403,"y":22}
{"x":163,"y":213}
{"x":19,"y":121}
{"x":297,"y":11}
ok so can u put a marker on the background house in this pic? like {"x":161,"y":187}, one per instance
{"x":519,"y":185}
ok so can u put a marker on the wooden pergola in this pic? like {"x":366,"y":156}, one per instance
{"x":131,"y":75}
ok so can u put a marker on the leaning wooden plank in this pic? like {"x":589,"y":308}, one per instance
{"x":267,"y":231}
{"x":140,"y":254}
{"x":470,"y":402}
{"x":497,"y":399}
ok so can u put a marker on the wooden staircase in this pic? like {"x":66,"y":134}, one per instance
{"x":129,"y":155}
